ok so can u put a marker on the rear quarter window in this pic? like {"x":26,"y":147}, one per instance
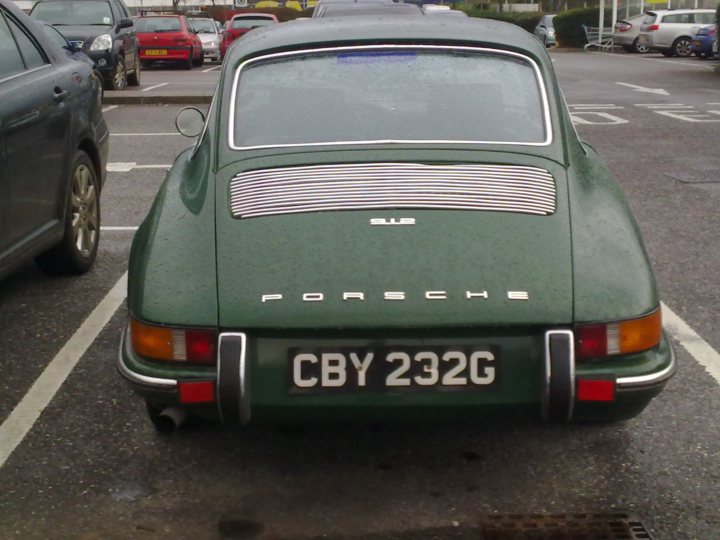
{"x":704,"y":18}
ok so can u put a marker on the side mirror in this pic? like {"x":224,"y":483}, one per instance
{"x":190,"y":121}
{"x":125,"y":23}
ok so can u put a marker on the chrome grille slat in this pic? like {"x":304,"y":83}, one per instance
{"x":293,"y":190}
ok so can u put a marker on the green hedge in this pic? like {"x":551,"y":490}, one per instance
{"x":569,"y":25}
{"x":528,"y":21}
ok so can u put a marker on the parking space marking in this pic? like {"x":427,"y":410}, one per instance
{"x":598,"y":106}
{"x":109,"y":108}
{"x":16,"y":426}
{"x":127,"y":166}
{"x":689,"y":116}
{"x":144,"y":134}
{"x":698,"y":348}
{"x":669,"y":61}
{"x":154,"y":87}
{"x":111,"y":229}
{"x":596,"y":118}
{"x":211,"y":69}
{"x":664,"y":106}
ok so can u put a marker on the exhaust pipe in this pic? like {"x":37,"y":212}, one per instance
{"x":170,"y":419}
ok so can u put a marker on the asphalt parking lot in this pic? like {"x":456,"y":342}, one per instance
{"x":89,"y":465}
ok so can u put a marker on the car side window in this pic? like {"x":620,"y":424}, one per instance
{"x":29,"y":51}
{"x":123,"y":12}
{"x":704,"y":18}
{"x":11,"y":62}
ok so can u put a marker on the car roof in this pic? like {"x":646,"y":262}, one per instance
{"x":679,"y":11}
{"x":391,"y":29}
{"x":254,"y":15}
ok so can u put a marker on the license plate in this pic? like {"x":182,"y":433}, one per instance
{"x":156,"y":52}
{"x":463,"y":368}
{"x":696,"y":43}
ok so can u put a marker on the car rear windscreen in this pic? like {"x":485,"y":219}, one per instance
{"x":250,"y":22}
{"x":428,"y":94}
{"x":150,"y":25}
{"x":69,"y":13}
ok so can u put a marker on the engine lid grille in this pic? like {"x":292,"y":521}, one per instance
{"x":293,"y":190}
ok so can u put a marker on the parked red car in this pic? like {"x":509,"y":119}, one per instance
{"x":241,"y":24}
{"x":168,"y":38}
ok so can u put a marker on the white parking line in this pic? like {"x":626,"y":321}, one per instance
{"x":666,"y":62}
{"x":118,"y":228}
{"x":33,"y":403}
{"x":109,"y":108}
{"x":211,"y":69}
{"x":154,"y":87}
{"x":698,"y":348}
{"x":664,"y":106}
{"x":143,"y":134}
{"x":127,"y":166}
{"x":598,"y":107}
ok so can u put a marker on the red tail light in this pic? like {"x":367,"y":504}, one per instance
{"x":175,"y":344}
{"x":595,"y":390}
{"x":653,"y":27}
{"x":622,"y":337}
{"x":623,"y":27}
{"x":181,"y":39}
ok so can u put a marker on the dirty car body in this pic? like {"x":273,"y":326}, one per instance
{"x":385,"y":253}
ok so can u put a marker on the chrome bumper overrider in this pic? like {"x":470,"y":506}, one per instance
{"x":137,"y":378}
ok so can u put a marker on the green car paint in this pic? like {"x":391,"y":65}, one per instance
{"x":194,"y":265}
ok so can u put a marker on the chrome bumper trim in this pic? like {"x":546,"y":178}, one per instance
{"x":652,"y":379}
{"x":136,"y":378}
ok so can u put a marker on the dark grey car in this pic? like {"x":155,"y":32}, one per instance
{"x":53,"y":150}
{"x":103,"y":30}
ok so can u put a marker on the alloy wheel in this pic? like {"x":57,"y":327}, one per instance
{"x":84,"y":210}
{"x":683,"y":47}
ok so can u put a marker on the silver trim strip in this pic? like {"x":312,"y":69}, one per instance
{"x":144,"y":380}
{"x":652,"y":379}
{"x":538,"y":76}
{"x":292,"y":190}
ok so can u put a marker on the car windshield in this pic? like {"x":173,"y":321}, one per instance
{"x":400,"y":95}
{"x":69,"y":13}
{"x":151,"y":25}
{"x":250,"y":22}
{"x":203,"y":26}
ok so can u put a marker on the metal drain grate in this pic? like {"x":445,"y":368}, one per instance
{"x":562,"y":527}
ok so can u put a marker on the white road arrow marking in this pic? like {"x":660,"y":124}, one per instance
{"x":658,"y":91}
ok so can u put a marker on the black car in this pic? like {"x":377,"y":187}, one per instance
{"x":53,"y":150}
{"x":103,"y":30}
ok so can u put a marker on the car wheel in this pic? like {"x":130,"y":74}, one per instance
{"x":640,"y":47}
{"x":188,"y":64}
{"x":118,"y":79}
{"x":199,"y":61}
{"x":134,"y":78}
{"x":682,"y":47}
{"x":76,"y":252}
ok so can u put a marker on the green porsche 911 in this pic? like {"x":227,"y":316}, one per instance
{"x":393,"y":219}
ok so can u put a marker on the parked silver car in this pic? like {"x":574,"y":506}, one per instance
{"x":545,"y":31}
{"x":208,"y":33}
{"x":670,"y":31}
{"x":627,"y":32}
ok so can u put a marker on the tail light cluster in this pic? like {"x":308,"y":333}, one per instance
{"x":652,"y":28}
{"x":622,"y":337}
{"x":622,"y":26}
{"x":189,"y":345}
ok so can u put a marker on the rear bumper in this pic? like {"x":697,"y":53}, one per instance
{"x":243,"y":392}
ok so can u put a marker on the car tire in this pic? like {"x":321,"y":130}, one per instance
{"x":118,"y":78}
{"x":76,"y":252}
{"x":133,"y":78}
{"x":188,"y":64}
{"x":682,"y":47}
{"x":199,"y":61}
{"x":639,"y":47}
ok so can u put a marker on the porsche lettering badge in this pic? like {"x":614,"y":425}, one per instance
{"x":396,"y":296}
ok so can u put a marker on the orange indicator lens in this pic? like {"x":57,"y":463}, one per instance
{"x":152,"y":341}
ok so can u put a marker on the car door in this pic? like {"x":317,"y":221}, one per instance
{"x":35,"y":119}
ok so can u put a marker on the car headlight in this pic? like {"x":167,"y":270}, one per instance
{"x":551,"y":33}
{"x":101,"y":42}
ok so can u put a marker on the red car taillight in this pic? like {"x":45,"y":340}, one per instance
{"x":622,"y":337}
{"x":181,"y":39}
{"x":623,"y":27}
{"x":653,"y":27}
{"x":174,"y":344}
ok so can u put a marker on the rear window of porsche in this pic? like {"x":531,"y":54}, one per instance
{"x":375,"y":95}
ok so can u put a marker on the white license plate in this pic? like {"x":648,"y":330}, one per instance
{"x":393,"y":369}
